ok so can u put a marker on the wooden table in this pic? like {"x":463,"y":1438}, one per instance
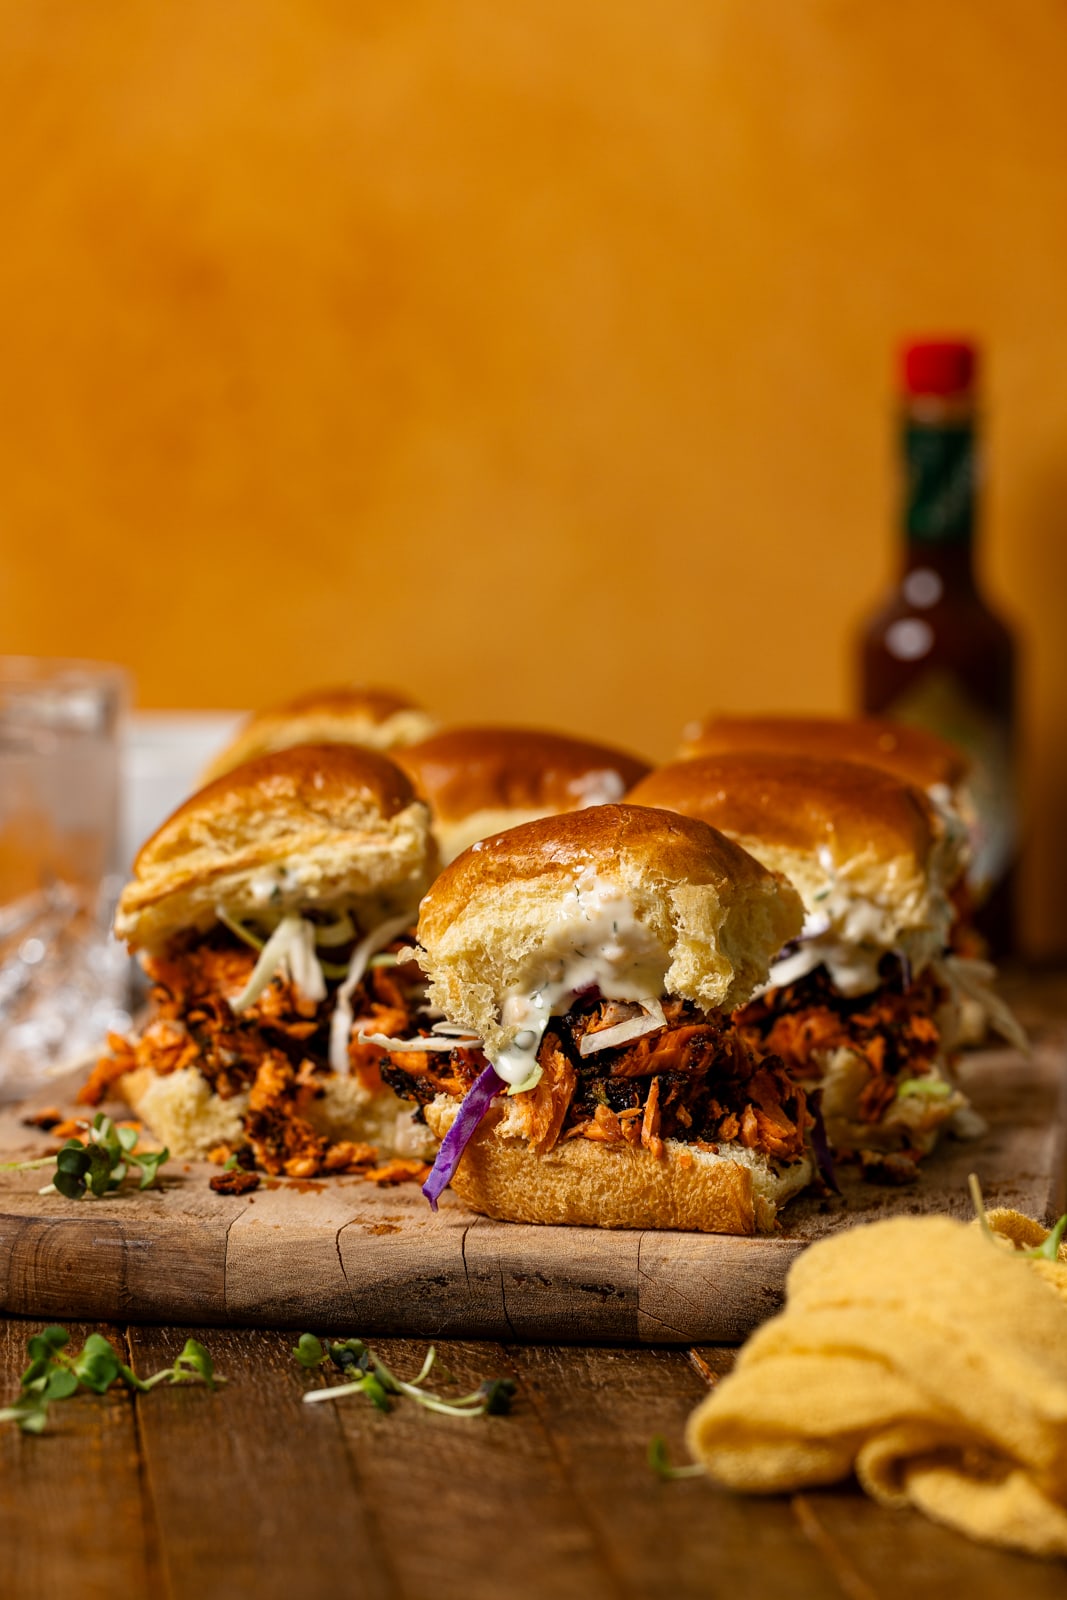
{"x":190,"y":1495}
{"x":249,"y":1492}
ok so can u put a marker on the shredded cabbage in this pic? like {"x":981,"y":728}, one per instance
{"x":342,"y":1019}
{"x":243,"y":933}
{"x":291,"y":949}
{"x":623,"y":1032}
{"x":476,"y":1102}
{"x":422,"y":1042}
{"x":340,"y":931}
{"x":963,"y":975}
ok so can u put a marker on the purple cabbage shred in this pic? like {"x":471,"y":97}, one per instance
{"x":476,"y":1102}
{"x":820,"y":1144}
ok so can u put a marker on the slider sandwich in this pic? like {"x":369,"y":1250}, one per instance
{"x":863,"y":1003}
{"x":374,"y":719}
{"x":915,"y":756}
{"x":479,"y":781}
{"x":270,"y":914}
{"x":584,"y":1069}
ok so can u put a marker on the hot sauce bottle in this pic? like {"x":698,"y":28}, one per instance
{"x":935,"y":654}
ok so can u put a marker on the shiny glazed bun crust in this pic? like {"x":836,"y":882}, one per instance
{"x":479,"y":781}
{"x":718,"y":916}
{"x":376,"y":719}
{"x":311,"y":826}
{"x":799,"y":803}
{"x":822,"y":823}
{"x":911,"y":754}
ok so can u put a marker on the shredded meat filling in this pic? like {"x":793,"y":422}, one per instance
{"x":695,"y":1080}
{"x":893,"y":1030}
{"x":277,"y":1051}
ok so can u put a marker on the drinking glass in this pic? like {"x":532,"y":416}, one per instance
{"x":63,"y":978}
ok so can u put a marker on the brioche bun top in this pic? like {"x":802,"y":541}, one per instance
{"x":376,"y":719}
{"x":313,"y":826}
{"x":911,"y":754}
{"x":479,"y":781}
{"x":691,"y":905}
{"x":862,"y":847}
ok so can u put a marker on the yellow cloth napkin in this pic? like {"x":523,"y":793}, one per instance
{"x":925,"y":1357}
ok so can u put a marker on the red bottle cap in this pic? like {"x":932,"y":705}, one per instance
{"x":939,"y":366}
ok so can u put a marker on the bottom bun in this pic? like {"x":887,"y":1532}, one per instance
{"x":187,"y":1116}
{"x":616,"y":1186}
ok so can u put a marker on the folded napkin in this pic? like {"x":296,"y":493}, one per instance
{"x":923,"y":1355}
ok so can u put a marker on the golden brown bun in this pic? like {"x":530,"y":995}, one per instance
{"x":376,"y":719}
{"x":498,"y":913}
{"x":608,"y":1186}
{"x":479,"y":781}
{"x":909,"y":753}
{"x":185,"y":1114}
{"x":799,"y":804}
{"x":842,"y":833}
{"x":313,"y":826}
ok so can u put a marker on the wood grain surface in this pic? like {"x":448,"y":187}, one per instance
{"x":198,"y":1496}
{"x":341,"y":1253}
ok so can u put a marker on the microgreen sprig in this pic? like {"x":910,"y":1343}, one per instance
{"x":54,"y":1373}
{"x":97,"y":1164}
{"x":661,"y":1466}
{"x":1050,"y":1249}
{"x":380,"y":1385}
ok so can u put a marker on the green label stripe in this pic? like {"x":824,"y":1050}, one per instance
{"x":940,"y":465}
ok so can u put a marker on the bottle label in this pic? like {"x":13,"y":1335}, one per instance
{"x":941,"y":474}
{"x":940,"y":703}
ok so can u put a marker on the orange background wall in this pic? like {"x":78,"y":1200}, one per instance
{"x":534,"y":356}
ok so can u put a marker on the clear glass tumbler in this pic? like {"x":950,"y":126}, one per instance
{"x":64,"y":981}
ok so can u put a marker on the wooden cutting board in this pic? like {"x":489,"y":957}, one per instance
{"x":344,"y":1256}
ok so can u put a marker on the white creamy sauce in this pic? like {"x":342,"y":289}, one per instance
{"x":595,"y":940}
{"x":849,"y":935}
{"x":271,"y":884}
{"x":853,"y":968}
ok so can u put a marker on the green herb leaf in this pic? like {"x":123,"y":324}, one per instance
{"x":54,"y":1374}
{"x":47,"y":1342}
{"x":929,"y":1088}
{"x":67,"y":1184}
{"x":378,"y":1383}
{"x":348,"y":1353}
{"x":98,"y":1366}
{"x":150,"y":1162}
{"x":195,"y":1361}
{"x":308,"y":1351}
{"x":375,"y":1392}
{"x":660,"y":1464}
{"x":1050,"y":1249}
{"x":73,"y":1157}
{"x":499,"y":1393}
{"x":100,"y":1165}
{"x":60,"y":1384}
